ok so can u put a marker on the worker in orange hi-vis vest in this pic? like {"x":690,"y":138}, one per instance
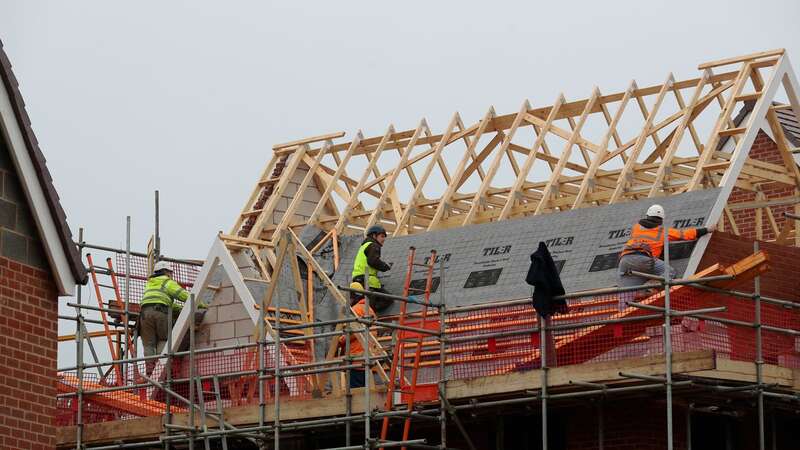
{"x":643,"y":251}
{"x":359,"y":306}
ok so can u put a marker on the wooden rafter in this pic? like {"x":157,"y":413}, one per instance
{"x":487,"y":172}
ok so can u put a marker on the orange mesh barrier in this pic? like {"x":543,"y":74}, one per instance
{"x":489,"y":353}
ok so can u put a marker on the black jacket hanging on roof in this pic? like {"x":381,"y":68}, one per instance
{"x":543,"y":276}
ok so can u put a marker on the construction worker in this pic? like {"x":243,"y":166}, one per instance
{"x":160,"y":294}
{"x":642,"y":252}
{"x":359,"y":306}
{"x":368,"y":263}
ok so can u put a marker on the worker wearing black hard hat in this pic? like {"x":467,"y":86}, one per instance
{"x":368,"y":263}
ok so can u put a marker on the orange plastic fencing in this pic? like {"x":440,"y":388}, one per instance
{"x":236,"y":389}
{"x":185,"y":274}
{"x":491,"y":352}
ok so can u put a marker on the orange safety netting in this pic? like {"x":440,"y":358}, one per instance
{"x":492,"y":353}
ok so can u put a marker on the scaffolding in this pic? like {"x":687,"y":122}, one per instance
{"x":318,"y":183}
{"x":464,"y":342}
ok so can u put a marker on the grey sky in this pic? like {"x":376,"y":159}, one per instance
{"x":188,"y":96}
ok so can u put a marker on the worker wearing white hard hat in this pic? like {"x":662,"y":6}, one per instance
{"x":161,"y":294}
{"x":642,"y":252}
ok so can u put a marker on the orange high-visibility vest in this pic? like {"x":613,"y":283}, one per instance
{"x":356,"y":349}
{"x":650,"y":241}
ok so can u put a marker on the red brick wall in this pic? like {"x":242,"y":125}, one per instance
{"x":28,"y":345}
{"x":763,"y":149}
{"x":781,"y":281}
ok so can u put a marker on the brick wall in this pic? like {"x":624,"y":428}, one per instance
{"x":28,"y":345}
{"x":781,"y":281}
{"x":763,"y":149}
{"x":28,"y":322}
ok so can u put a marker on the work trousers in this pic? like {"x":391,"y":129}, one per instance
{"x":154,"y":330}
{"x":640,"y":263}
{"x":376,"y":302}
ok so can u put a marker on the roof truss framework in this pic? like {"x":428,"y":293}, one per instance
{"x":647,"y":142}
{"x":644,"y":142}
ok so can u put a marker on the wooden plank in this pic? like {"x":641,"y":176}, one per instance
{"x":640,"y":141}
{"x":565,"y":153}
{"x":738,"y":59}
{"x":309,"y":140}
{"x":645,"y":115}
{"x":371,"y":168}
{"x":92,"y":334}
{"x":390,"y":184}
{"x":753,"y":96}
{"x":108,"y":432}
{"x":151,"y":427}
{"x":435,"y":159}
{"x":569,"y":109}
{"x":722,"y":165}
{"x":732,"y":132}
{"x":606,"y":371}
{"x":245,"y":241}
{"x":495,"y":164}
{"x":288,"y":215}
{"x":564,"y":134}
{"x":277,"y":194}
{"x":460,"y":171}
{"x":335,"y":179}
{"x":599,"y":157}
{"x":714,"y":138}
{"x":699,"y":108}
{"x":669,"y":153}
{"x":692,"y":130}
{"x":744,"y":371}
{"x":254,"y":194}
{"x":530,"y":159}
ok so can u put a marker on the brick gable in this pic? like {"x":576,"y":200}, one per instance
{"x":28,"y":346}
{"x":763,"y":149}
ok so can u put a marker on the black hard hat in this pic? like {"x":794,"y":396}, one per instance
{"x":376,"y":229}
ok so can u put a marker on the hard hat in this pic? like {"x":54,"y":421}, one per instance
{"x":376,"y":229}
{"x":162,"y":265}
{"x":656,"y":211}
{"x":356,"y":285}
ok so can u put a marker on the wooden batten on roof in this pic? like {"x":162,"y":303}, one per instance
{"x":37,"y":183}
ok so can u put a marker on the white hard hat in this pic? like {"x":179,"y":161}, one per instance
{"x":162,"y":265}
{"x":656,"y":211}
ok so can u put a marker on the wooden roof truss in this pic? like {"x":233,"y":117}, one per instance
{"x":608,"y":148}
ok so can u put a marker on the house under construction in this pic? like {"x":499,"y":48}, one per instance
{"x":461,"y":359}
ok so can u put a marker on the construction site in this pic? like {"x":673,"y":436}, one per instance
{"x":260,"y":355}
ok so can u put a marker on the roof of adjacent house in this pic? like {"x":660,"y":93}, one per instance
{"x":40,"y":167}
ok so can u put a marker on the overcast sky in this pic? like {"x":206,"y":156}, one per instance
{"x":187,"y":97}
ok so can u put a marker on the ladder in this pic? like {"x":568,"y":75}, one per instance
{"x":116,"y":302}
{"x":408,"y":340}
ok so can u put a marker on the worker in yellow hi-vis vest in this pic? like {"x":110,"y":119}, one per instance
{"x":368,"y":263}
{"x":160,"y":294}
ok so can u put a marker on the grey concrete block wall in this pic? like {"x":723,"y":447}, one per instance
{"x":233,"y":312}
{"x":226,"y":320}
{"x":221,"y":330}
{"x":19,"y":236}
